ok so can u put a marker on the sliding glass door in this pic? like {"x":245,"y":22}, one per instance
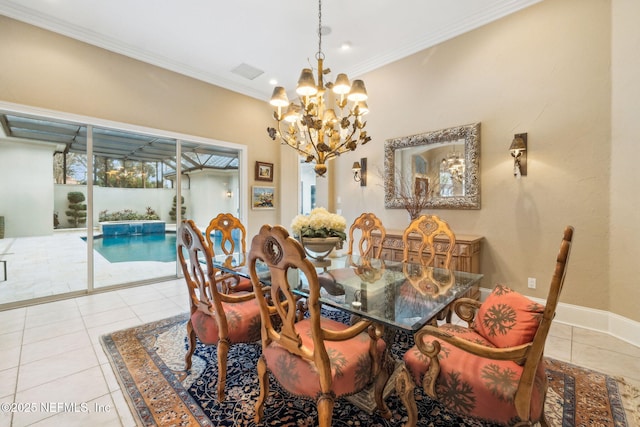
{"x":92,"y":207}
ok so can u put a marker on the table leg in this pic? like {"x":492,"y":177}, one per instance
{"x":388,"y":365}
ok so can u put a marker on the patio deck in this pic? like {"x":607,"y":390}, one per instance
{"x":47,"y":266}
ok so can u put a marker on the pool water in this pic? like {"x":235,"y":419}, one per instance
{"x":143,"y":247}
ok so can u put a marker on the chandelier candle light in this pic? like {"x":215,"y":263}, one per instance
{"x":313,"y":128}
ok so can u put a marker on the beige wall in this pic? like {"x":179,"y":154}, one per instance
{"x":548,"y":70}
{"x":624,"y":247}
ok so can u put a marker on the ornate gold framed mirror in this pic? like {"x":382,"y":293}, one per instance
{"x":444,"y":165}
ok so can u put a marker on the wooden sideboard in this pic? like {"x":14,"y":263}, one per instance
{"x":466,"y":254}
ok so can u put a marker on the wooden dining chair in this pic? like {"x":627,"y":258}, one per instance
{"x":216,"y":318}
{"x":362,"y":226}
{"x":493,"y":369}
{"x":316,"y":357}
{"x":428,"y":227}
{"x":366,"y":224}
{"x":233,"y":239}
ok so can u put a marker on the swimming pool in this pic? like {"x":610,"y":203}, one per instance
{"x":142,"y":247}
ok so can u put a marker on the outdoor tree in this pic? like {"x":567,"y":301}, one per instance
{"x":77,"y":213}
{"x":174,"y":208}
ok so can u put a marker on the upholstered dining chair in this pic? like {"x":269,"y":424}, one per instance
{"x":316,"y":357}
{"x":233,"y":239}
{"x":216,"y":318}
{"x":493,"y":369}
{"x":365,"y":224}
{"x":428,"y":227}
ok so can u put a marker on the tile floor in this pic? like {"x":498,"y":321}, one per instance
{"x":50,"y":353}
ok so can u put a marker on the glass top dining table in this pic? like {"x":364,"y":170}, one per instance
{"x":398,"y":294}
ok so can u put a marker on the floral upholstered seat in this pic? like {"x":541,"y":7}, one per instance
{"x":493,"y":369}
{"x":316,"y":358}
{"x":479,"y":386}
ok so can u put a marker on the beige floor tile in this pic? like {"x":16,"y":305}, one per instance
{"x":558,"y":348}
{"x":140,"y":295}
{"x":110,"y":377}
{"x":606,"y":361}
{"x":59,"y":314}
{"x":100,"y":354}
{"x":10,"y":340}
{"x":98,"y":303}
{"x":96,"y":332}
{"x":560,"y":330}
{"x":58,"y":366}
{"x":52,"y":330}
{"x":605,"y":341}
{"x":172,"y":288}
{"x":44,"y":349}
{"x":9,"y":357}
{"x":8,"y":384}
{"x":13,"y":320}
{"x":126,"y":417}
{"x":52,"y":308}
{"x":5,"y":419}
{"x":106,"y":317}
{"x":70,"y":394}
{"x":156,"y":310}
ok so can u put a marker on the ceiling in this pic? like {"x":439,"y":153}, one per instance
{"x":208,"y":39}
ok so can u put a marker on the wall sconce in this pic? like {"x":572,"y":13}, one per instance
{"x":360,"y":172}
{"x":229,"y":194}
{"x":518,"y":150}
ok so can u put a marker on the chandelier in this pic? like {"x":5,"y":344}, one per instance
{"x":455,"y":166}
{"x":320,"y":129}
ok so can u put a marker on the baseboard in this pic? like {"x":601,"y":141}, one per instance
{"x":588,"y":318}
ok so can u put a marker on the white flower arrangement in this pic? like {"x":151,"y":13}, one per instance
{"x":319,"y":223}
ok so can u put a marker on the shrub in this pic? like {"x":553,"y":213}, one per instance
{"x":127,"y":215}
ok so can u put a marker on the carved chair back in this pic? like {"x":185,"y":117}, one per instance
{"x":198,"y":271}
{"x":281,"y":252}
{"x":232,"y":234}
{"x":366,"y":223}
{"x":428,"y":227}
{"x":226,"y":224}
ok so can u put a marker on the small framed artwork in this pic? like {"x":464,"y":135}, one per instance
{"x":263,"y":197}
{"x":264,"y":171}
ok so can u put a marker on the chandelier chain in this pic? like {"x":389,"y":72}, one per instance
{"x":319,"y":55}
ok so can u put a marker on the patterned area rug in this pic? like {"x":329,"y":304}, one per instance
{"x":149,"y":360}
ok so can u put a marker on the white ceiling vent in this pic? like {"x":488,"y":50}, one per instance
{"x":247,"y":71}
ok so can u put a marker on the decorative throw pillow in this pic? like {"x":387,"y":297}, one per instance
{"x":508,"y":318}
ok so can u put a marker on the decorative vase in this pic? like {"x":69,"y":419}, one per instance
{"x":318,"y":248}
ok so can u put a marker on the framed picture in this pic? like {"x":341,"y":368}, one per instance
{"x":421,"y":187}
{"x":264,"y":171}
{"x":263,"y":197}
